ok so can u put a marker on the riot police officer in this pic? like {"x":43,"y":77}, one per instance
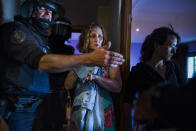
{"x":25,"y":41}
{"x":25,"y":63}
{"x":53,"y":108}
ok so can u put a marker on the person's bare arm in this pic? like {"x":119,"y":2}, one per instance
{"x":70,"y":81}
{"x":113,"y":83}
{"x":61,"y":63}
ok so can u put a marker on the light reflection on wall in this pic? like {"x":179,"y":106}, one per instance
{"x":135,"y":54}
{"x":73,"y":41}
{"x":190,"y":69}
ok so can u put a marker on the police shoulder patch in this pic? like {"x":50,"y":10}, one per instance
{"x":18,"y":37}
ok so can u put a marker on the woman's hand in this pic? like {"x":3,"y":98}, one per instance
{"x":90,"y":77}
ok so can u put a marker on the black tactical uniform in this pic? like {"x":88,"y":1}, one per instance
{"x":22,"y":86}
{"x":23,"y":43}
{"x":52,"y":110}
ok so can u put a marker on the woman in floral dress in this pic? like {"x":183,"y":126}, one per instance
{"x":92,"y":107}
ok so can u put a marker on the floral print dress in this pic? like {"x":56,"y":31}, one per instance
{"x":93,"y":108}
{"x":109,"y":119}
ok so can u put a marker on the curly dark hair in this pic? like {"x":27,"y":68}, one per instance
{"x":159,"y":36}
{"x":83,"y":44}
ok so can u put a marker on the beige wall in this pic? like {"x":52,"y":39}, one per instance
{"x":105,"y":12}
{"x":109,"y":15}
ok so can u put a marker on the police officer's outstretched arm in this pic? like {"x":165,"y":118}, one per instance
{"x":60,"y":63}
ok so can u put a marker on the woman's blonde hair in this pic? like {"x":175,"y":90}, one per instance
{"x":84,"y":42}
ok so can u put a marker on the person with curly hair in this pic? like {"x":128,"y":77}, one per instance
{"x":92,"y":107}
{"x":156,"y":66}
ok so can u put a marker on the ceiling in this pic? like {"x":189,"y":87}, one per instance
{"x":150,"y":14}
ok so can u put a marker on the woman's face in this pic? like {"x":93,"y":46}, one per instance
{"x":168,"y":49}
{"x":95,"y":38}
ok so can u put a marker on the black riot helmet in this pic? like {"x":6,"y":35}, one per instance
{"x":61,"y":31}
{"x":30,"y":6}
{"x":61,"y":27}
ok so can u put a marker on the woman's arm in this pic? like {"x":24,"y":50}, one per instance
{"x":113,"y":84}
{"x":70,"y":81}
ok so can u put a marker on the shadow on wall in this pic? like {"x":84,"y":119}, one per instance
{"x":1,"y":12}
{"x":191,"y":46}
{"x":181,"y":57}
